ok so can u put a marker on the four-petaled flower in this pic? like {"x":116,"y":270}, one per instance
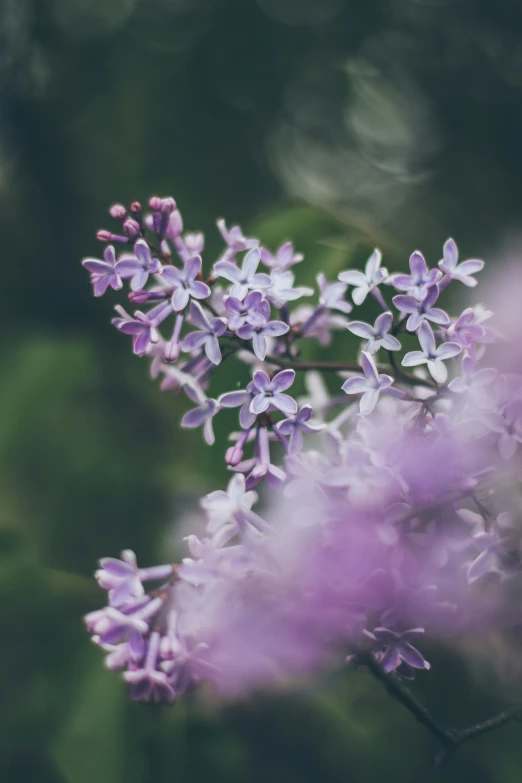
{"x":377,"y":335}
{"x":431,"y":355}
{"x":270,"y":394}
{"x":508,"y":425}
{"x":252,"y":310}
{"x":421,"y":311}
{"x":370,"y":386}
{"x":282,"y":291}
{"x":142,"y":329}
{"x":366,"y":281}
{"x":462,"y":272}
{"x":245,"y":277}
{"x":295,"y":426}
{"x":471,"y":379}
{"x":208,"y":335}
{"x":235,"y":239}
{"x":231,"y":508}
{"x":283,"y":258}
{"x":466,"y":330}
{"x":420,"y":279}
{"x":202,"y":415}
{"x":258,"y":335}
{"x":331,"y":295}
{"x":139,"y":266}
{"x":243,"y":398}
{"x":398,"y":653}
{"x":104,"y":273}
{"x":185,"y":283}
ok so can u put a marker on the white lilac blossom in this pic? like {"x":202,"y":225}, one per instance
{"x":431,"y":354}
{"x":365,"y":282}
{"x":282,"y":289}
{"x":377,"y":530}
{"x":243,"y":278}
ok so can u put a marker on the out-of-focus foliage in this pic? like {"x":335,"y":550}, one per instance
{"x":337,"y":123}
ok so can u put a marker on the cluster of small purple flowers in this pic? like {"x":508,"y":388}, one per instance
{"x":393,"y":500}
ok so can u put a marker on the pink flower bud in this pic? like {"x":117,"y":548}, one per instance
{"x":171,"y":351}
{"x":131,"y":228}
{"x":155,"y":203}
{"x":233,"y":455}
{"x":168,"y":205}
{"x":117,"y":211}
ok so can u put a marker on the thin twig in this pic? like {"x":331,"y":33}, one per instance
{"x":450,"y":739}
{"x":401,"y":694}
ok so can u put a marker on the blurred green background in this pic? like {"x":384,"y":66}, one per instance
{"x":339,"y":123}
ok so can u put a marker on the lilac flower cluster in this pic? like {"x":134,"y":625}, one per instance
{"x":392,"y":498}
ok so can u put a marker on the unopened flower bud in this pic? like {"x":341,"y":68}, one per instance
{"x":155,"y":203}
{"x":117,"y":211}
{"x":142,"y":297}
{"x":107,"y":236}
{"x":168,"y":205}
{"x":194,"y":243}
{"x":131,"y":228}
{"x":175,"y":225}
{"x":171,"y":351}
{"x":233,"y":455}
{"x":135,"y":207}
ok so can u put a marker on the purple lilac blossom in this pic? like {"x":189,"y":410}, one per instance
{"x":185,"y":283}
{"x":331,"y":295}
{"x":207,"y":336}
{"x":420,"y":279}
{"x":105,"y":273}
{"x":296,"y":425}
{"x":282,"y":259}
{"x":253,"y":310}
{"x":258,"y":335}
{"x":142,"y":329}
{"x":421,"y":310}
{"x":376,"y":524}
{"x":202,"y":415}
{"x":431,"y":355}
{"x":377,"y":335}
{"x":462,"y":272}
{"x":270,"y":392}
{"x":139,"y":266}
{"x":370,"y":386}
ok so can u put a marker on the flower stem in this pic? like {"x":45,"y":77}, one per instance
{"x":450,"y":739}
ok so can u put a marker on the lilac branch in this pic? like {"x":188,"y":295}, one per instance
{"x":450,"y":739}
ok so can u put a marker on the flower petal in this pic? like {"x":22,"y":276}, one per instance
{"x":282,"y":381}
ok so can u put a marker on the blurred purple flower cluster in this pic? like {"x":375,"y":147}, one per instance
{"x":391,"y":501}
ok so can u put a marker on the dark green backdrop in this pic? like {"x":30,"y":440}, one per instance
{"x":339,"y":123}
